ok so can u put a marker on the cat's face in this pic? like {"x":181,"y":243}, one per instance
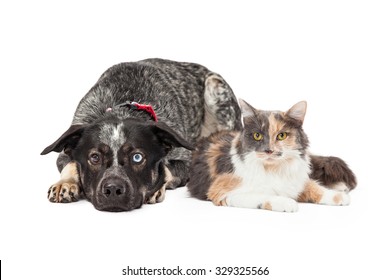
{"x":275,"y":136}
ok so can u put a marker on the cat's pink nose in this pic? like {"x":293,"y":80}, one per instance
{"x":268,"y":152}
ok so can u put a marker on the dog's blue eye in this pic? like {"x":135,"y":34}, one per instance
{"x":137,"y":158}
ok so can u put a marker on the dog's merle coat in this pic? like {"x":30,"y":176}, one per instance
{"x":120,"y":158}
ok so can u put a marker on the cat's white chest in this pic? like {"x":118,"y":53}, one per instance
{"x":287,"y":180}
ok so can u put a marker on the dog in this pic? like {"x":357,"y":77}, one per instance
{"x":132,"y":134}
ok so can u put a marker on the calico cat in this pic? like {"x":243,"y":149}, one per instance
{"x":267,"y":165}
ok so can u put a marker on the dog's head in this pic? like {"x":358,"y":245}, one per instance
{"x":120,"y":161}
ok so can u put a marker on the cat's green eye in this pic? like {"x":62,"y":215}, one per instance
{"x":257,"y":136}
{"x":281,"y":136}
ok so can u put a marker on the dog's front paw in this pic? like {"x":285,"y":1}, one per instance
{"x":157,"y":197}
{"x":64,"y":192}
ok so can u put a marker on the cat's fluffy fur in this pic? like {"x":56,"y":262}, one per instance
{"x":272,"y":171}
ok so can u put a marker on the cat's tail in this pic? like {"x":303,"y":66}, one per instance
{"x":332,"y":172}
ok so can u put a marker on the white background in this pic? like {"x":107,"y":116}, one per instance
{"x":334,"y":54}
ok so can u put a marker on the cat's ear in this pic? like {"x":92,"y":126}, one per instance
{"x":246,"y":109}
{"x":298,"y":111}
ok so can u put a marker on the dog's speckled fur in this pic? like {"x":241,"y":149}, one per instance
{"x":190,"y":101}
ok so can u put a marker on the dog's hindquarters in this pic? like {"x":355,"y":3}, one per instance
{"x":221,"y":110}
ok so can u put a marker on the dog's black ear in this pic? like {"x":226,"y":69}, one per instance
{"x":68,"y":139}
{"x":169,"y":137}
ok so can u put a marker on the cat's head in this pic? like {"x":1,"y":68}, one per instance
{"x":275,"y":136}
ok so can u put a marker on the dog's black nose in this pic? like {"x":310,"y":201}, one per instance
{"x":112,"y":190}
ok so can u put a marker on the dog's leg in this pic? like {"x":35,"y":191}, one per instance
{"x":62,"y":160}
{"x":221,"y":108}
{"x":158,"y":196}
{"x":67,"y":189}
{"x":176,"y":175}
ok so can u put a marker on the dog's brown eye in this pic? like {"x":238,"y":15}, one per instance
{"x":94,"y":158}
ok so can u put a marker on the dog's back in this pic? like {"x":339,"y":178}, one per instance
{"x":175,"y":89}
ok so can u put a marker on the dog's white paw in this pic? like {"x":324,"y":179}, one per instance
{"x":64,"y":192}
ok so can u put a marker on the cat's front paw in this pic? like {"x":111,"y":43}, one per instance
{"x":280,"y":204}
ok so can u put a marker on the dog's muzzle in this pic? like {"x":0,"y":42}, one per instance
{"x":115,"y":194}
{"x":114,"y":189}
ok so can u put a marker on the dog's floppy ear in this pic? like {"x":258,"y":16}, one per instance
{"x":68,"y":139}
{"x":169,"y":137}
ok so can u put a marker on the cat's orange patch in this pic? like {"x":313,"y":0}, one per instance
{"x":222,"y":185}
{"x":236,"y":141}
{"x":337,"y":198}
{"x":213,"y":153}
{"x":275,"y":126}
{"x":276,"y":165}
{"x":271,"y":166}
{"x":312,"y":193}
{"x":267,"y":206}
